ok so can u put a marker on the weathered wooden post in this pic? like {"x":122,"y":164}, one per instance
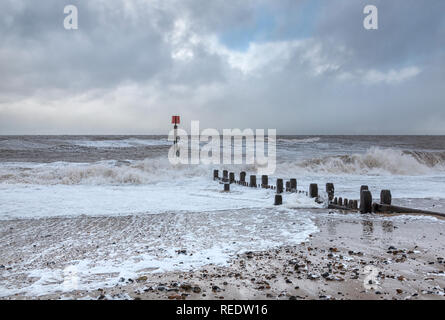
{"x":330,"y":190}
{"x":340,"y":201}
{"x":278,"y":200}
{"x":363,"y":188}
{"x":365,"y":201}
{"x":226,"y":187}
{"x":313,"y":190}
{"x":264,"y":181}
{"x":355,"y":205}
{"x":231,"y":177}
{"x":345,"y":202}
{"x":385,"y":197}
{"x":252,"y":181}
{"x":279,"y":185}
{"x":242,"y":177}
{"x":293,"y":185}
{"x":287,"y":186}
{"x":335,"y":200}
{"x":215,"y":175}
{"x":225,"y":177}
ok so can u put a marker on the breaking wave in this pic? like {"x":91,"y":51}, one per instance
{"x":108,"y":172}
{"x":123,"y":143}
{"x":375,"y":161}
{"x":112,"y":172}
{"x":298,"y":141}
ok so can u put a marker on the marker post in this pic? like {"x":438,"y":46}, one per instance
{"x":176,"y":120}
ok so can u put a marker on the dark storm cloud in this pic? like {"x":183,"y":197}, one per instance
{"x":39,"y":53}
{"x":298,"y":66}
{"x":410,"y":31}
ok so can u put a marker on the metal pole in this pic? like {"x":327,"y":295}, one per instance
{"x":175,"y":142}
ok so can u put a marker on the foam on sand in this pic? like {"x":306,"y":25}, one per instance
{"x":88,"y":253}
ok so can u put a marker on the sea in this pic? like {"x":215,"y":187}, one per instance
{"x":53,"y":184}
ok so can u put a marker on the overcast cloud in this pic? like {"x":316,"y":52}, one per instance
{"x":301,"y":66}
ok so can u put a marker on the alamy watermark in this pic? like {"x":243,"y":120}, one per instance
{"x":238,"y":147}
{"x":371,"y":280}
{"x":70,"y":278}
{"x":71,"y":21}
{"x":370,"y":22}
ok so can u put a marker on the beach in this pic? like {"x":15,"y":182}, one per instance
{"x":352,"y":256}
{"x":108,"y":217}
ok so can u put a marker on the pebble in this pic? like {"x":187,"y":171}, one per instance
{"x":313,"y":276}
{"x":186,"y":287}
{"x":141,"y":279}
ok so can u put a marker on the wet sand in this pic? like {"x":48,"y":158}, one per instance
{"x":353,"y":256}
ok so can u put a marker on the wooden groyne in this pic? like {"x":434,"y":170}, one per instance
{"x":385,"y":208}
{"x":230,"y":177}
{"x":364,"y":205}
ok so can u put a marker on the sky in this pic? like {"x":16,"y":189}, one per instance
{"x":297,"y":66}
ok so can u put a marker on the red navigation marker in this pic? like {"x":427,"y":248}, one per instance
{"x":176,"y":120}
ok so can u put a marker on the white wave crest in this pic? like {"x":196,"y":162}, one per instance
{"x":298,"y":141}
{"x":124,"y":143}
{"x":375,"y":161}
{"x":146,"y":171}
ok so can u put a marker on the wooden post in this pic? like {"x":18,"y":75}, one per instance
{"x":355,"y":205}
{"x":215,"y":175}
{"x":226,"y":187}
{"x":278,"y":199}
{"x":252,"y":181}
{"x":340,"y":201}
{"x":330,"y":190}
{"x":225,"y":177}
{"x":335,"y":200}
{"x":365,"y":201}
{"x":345,"y":202}
{"x":264,"y":181}
{"x":287,"y":186}
{"x":232,"y":177}
{"x":242,"y":176}
{"x":363,"y":188}
{"x":279,"y":185}
{"x":385,"y":197}
{"x":293,"y":185}
{"x":313,"y":190}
